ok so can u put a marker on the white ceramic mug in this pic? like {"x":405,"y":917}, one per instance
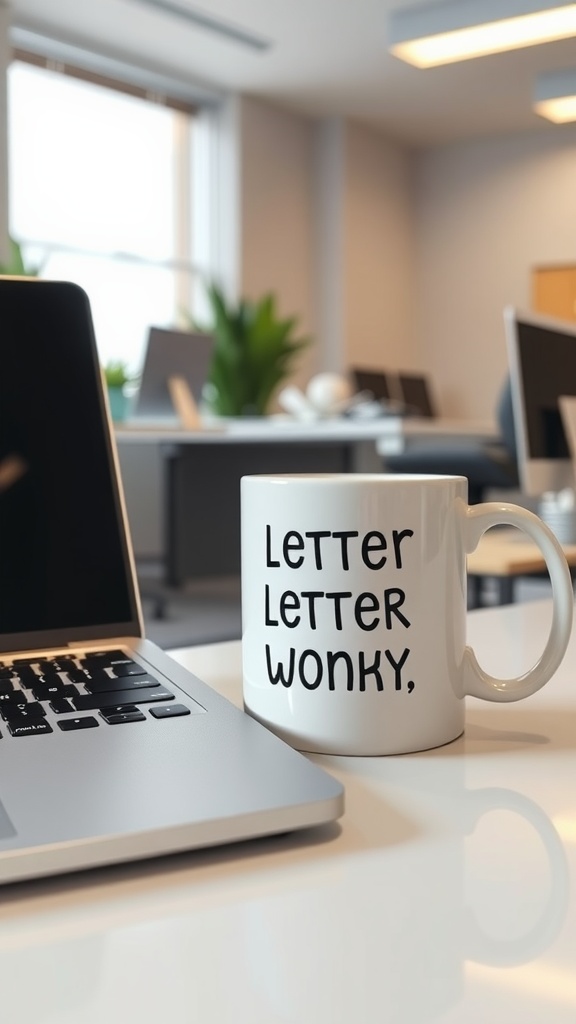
{"x":354,"y":609}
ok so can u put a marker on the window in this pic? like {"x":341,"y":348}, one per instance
{"x":101,"y":193}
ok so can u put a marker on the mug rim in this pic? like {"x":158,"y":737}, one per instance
{"x":350,"y":479}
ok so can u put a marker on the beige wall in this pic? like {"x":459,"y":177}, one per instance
{"x":327,"y":223}
{"x":398,"y":259}
{"x":329,"y":160}
{"x":487,"y":212}
{"x":277,"y":226}
{"x":379,"y":252}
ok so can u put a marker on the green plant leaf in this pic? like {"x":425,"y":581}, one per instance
{"x":16,"y":267}
{"x":253,"y":352}
{"x":116,"y":374}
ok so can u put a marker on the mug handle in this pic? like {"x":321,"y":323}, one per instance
{"x":477,"y":682}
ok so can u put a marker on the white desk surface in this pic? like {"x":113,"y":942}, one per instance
{"x":284,"y":429}
{"x":447,"y":892}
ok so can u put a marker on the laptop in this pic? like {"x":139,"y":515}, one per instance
{"x":109,"y":751}
{"x":171,"y":357}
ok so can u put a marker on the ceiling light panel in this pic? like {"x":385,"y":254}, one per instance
{"x":454,"y":30}
{"x":555,"y":96}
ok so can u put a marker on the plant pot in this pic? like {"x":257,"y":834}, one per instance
{"x":118,"y":404}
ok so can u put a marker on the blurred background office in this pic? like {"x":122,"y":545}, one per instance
{"x":149,"y":147}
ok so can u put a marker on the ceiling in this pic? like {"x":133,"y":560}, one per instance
{"x":326,"y":57}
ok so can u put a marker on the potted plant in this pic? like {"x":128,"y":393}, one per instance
{"x":117,"y":375}
{"x":16,"y":266}
{"x":254,"y":350}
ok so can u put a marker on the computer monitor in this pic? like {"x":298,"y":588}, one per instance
{"x":542,"y":361}
{"x":416,"y":395}
{"x":377,"y":382}
{"x":171,"y":354}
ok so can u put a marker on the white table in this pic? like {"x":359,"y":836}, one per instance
{"x":388,"y":433}
{"x":447,"y":892}
{"x":203,"y":470}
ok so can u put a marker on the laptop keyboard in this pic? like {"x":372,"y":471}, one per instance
{"x":37,"y":694}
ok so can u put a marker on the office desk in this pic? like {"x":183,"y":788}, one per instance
{"x":446,"y":893}
{"x":203,"y":469}
{"x":505,"y":555}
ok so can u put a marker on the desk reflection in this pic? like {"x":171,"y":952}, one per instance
{"x":376,"y":926}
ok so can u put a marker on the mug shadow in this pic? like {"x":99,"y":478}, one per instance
{"x":504,"y":728}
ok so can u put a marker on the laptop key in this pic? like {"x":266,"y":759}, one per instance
{"x":32,"y":727}
{"x":115,"y":698}
{"x":105,"y":683}
{"x":61,"y":706}
{"x":66,"y":664}
{"x":128,"y":668}
{"x":47,"y":691}
{"x":102,"y":657}
{"x":78,"y":675}
{"x":11,"y":697}
{"x":22,"y":712}
{"x":71,"y":724}
{"x":51,"y":676}
{"x":170,"y":711}
{"x":56,"y":665}
{"x":118,"y":709}
{"x":26,"y":675}
{"x":121,"y":717}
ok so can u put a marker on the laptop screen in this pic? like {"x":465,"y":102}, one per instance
{"x":64,"y":563}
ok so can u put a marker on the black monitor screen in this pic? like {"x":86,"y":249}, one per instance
{"x":63,"y":554}
{"x":542,"y":360}
{"x":547,"y":360}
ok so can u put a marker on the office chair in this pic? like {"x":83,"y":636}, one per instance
{"x":416,"y":395}
{"x":486,"y":464}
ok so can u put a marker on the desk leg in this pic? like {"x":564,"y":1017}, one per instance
{"x":474,"y":592}
{"x":363,"y":457}
{"x":505,"y":589}
{"x":172,"y":575}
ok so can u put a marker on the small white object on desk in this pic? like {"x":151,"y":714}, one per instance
{"x":327,"y":394}
{"x":294,"y":402}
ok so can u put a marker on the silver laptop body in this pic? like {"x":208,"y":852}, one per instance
{"x":88,"y":775}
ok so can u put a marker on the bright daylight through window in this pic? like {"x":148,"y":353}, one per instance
{"x":100,"y":194}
